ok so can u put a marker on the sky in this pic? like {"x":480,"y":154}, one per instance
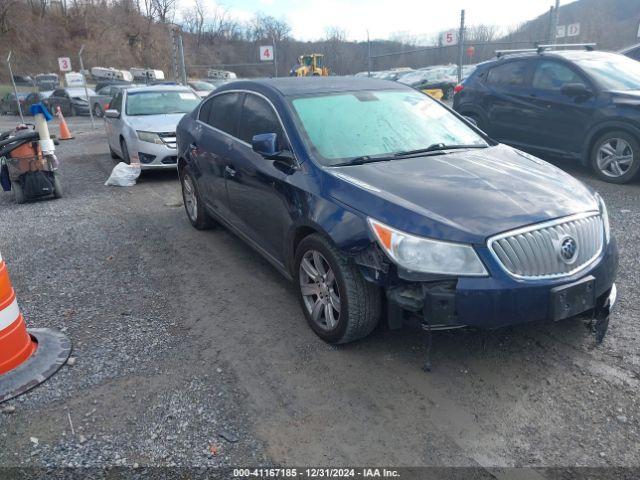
{"x":383,"y":18}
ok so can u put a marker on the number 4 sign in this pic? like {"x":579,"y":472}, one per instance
{"x":65,"y":64}
{"x":266,"y":53}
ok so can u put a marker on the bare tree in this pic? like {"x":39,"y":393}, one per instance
{"x":263,"y":27}
{"x":165,"y":10}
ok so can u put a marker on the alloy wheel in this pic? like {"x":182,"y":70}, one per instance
{"x":190,"y":199}
{"x":615,"y":157}
{"x":319,"y":288}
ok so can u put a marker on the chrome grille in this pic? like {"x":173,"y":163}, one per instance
{"x":169,"y":139}
{"x":535,"y":252}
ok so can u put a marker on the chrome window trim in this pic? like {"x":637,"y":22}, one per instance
{"x":540,"y":226}
{"x":251,"y":92}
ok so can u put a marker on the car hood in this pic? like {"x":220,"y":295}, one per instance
{"x":156,"y":123}
{"x":463,"y":196}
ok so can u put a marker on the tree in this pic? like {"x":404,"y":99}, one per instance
{"x":263,"y":27}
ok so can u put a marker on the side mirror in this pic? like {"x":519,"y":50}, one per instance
{"x":575,"y":90}
{"x":266,"y":144}
{"x":112,"y":113}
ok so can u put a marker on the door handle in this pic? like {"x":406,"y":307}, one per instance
{"x":229,"y":171}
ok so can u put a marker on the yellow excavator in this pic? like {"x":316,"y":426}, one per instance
{"x":311,"y":66}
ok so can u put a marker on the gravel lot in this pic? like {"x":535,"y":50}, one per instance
{"x":191,"y":350}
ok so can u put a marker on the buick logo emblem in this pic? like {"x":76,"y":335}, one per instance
{"x":568,"y":249}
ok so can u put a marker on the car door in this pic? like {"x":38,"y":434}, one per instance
{"x":560,"y":121}
{"x":507,"y":102}
{"x":215,"y":132}
{"x":256,"y":185}
{"x":112,"y":125}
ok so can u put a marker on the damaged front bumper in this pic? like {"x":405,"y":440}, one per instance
{"x":496,"y":300}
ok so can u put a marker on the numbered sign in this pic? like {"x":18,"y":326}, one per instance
{"x":266,"y":53}
{"x":573,"y":30}
{"x":65,"y":64}
{"x":450,"y":38}
{"x":561,"y":31}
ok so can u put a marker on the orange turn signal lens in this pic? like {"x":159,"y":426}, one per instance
{"x":383,"y":233}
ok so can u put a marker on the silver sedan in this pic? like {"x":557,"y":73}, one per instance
{"x":141,"y":124}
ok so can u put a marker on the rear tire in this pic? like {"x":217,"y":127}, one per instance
{"x":193,"y":202}
{"x":615,"y":157}
{"x":18,"y":193}
{"x":339,"y":304}
{"x":57,"y":186}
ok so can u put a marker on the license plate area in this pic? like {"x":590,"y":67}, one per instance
{"x":574,"y":298}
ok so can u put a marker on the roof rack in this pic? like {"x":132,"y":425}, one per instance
{"x":541,"y":48}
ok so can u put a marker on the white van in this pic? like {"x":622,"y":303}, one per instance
{"x":145,"y":74}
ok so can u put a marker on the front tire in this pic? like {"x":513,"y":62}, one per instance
{"x":615,"y":157}
{"x":125,"y":152}
{"x":339,"y":304}
{"x":193,"y":202}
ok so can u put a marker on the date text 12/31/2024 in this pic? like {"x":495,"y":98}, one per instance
{"x":315,"y":473}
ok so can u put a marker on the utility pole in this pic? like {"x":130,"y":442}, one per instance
{"x":174,"y":54}
{"x":460,"y":46}
{"x":15,"y":89}
{"x":86,"y":92}
{"x":556,"y":15}
{"x":369,"y":55}
{"x":183,"y":70}
{"x":275,"y":58}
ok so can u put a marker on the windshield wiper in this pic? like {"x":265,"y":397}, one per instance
{"x":364,"y":159}
{"x":437,"y":147}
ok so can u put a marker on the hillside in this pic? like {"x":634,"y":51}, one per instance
{"x":127,"y":33}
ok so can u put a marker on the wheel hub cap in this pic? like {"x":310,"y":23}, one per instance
{"x":319,"y":289}
{"x":615,"y":157}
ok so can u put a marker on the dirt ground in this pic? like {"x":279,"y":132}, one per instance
{"x":192,"y":350}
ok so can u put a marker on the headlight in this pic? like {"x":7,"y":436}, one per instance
{"x":605,"y":217}
{"x":424,"y":255}
{"x":150,"y":137}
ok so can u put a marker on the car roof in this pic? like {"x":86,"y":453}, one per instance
{"x":571,"y":55}
{"x":294,"y":86}
{"x":159,"y":88}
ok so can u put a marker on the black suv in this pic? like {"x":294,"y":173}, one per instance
{"x":583,"y":105}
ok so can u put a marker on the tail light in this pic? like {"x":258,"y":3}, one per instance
{"x":458,"y":88}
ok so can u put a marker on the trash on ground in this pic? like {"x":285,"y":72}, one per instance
{"x":124,"y":175}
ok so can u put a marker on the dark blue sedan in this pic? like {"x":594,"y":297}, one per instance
{"x":378,"y":201}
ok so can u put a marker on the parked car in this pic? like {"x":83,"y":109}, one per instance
{"x":9,"y":104}
{"x":72,"y":101}
{"x":361,"y":189}
{"x":36,"y":97}
{"x":141,"y":124}
{"x":431,"y":79}
{"x":201,"y":87}
{"x":47,"y":81}
{"x":580,"y":105}
{"x":23,"y":80}
{"x":101,"y":100}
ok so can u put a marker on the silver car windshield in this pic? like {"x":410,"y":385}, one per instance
{"x":161,"y":102}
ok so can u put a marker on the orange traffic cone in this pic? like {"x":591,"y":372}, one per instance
{"x":27,"y":358}
{"x":65,"y":133}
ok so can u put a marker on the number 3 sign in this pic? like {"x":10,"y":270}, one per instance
{"x":65,"y":64}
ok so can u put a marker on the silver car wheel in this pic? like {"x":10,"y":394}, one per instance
{"x":190,"y":199}
{"x":615,"y":157}
{"x":319,"y":289}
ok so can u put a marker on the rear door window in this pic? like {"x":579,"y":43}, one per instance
{"x":223,"y":112}
{"x":258,"y":116}
{"x":513,"y":74}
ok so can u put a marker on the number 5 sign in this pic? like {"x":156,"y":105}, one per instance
{"x":450,"y":38}
{"x":65,"y":64}
{"x":266,"y":53}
